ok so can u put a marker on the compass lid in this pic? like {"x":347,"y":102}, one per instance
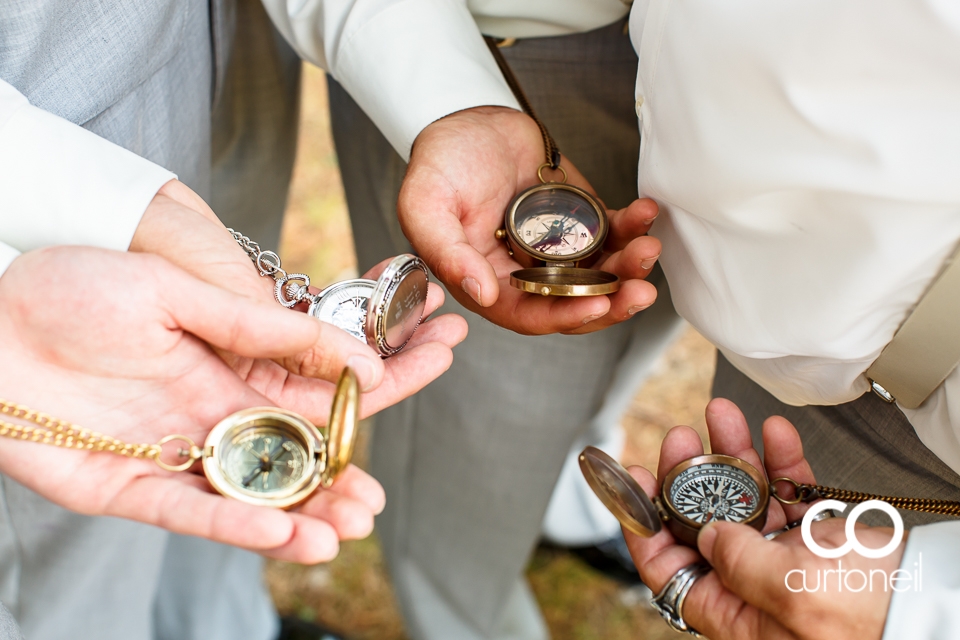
{"x":565,"y":281}
{"x":342,"y":428}
{"x":397,"y":304}
{"x":619,"y":492}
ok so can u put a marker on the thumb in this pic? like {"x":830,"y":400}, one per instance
{"x":747,"y":564}
{"x":245,"y":326}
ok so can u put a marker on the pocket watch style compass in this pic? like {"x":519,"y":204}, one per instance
{"x":695,"y":492}
{"x":263,"y":456}
{"x":384,"y":313}
{"x":714,"y":487}
{"x":554,"y":230}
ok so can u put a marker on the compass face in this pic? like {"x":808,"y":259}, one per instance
{"x":714,"y":491}
{"x":557,"y":223}
{"x":263,"y":460}
{"x":344,"y":305}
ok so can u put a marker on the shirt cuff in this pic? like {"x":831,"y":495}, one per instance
{"x":416,"y":62}
{"x":926,"y":605}
{"x":7,"y":255}
{"x":61,"y":184}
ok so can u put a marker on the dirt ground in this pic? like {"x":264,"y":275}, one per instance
{"x":352,"y":593}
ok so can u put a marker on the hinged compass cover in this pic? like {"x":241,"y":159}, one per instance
{"x":342,"y":428}
{"x":619,"y":492}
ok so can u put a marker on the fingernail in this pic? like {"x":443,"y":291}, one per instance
{"x":633,"y":310}
{"x":649,"y":262}
{"x":649,"y":221}
{"x":472,"y":289}
{"x":366,"y":371}
{"x":590,"y":319}
{"x":706,"y":540}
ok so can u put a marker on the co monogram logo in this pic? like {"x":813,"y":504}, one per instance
{"x":852,"y":542}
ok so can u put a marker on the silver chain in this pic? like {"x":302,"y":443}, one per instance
{"x":291,"y":288}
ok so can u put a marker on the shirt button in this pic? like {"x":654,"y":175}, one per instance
{"x":639,"y":104}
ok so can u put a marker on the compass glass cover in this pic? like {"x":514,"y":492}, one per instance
{"x":556,"y":222}
{"x":345,"y":305}
{"x":714,"y":491}
{"x":263,"y":460}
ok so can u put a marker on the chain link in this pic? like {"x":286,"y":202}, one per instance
{"x":291,"y":288}
{"x":53,"y":431}
{"x":811,"y":492}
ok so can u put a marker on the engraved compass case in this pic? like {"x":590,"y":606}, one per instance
{"x":270,"y":457}
{"x":556,"y":231}
{"x":696,"y":492}
{"x":385,"y":312}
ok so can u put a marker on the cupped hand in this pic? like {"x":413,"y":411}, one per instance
{"x":745,"y":595}
{"x":463,"y":172}
{"x":179,"y":226}
{"x":118,"y":343}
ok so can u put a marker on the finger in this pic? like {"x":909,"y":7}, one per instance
{"x":681,"y":443}
{"x":783,"y":455}
{"x":532,"y":314}
{"x":634,"y":296}
{"x":351,"y":519}
{"x":239,"y":324}
{"x":629,"y":223}
{"x":448,"y":329}
{"x":635,"y":261}
{"x":658,"y":557}
{"x":437,"y":233}
{"x":719,"y":614}
{"x":313,"y":541}
{"x":333,"y":350}
{"x":359,"y":485}
{"x":750,"y":566}
{"x":181,"y":506}
{"x":730,"y":435}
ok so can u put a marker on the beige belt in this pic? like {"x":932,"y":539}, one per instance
{"x":926,"y":348}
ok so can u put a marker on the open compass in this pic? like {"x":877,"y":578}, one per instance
{"x":384,"y":313}
{"x":556,"y":231}
{"x":695,"y":493}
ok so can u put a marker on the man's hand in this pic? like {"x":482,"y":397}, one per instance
{"x":179,"y":226}
{"x":117,"y":343}
{"x":745,"y":596}
{"x":464,"y":171}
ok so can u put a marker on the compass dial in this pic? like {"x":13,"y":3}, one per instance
{"x":557,"y":223}
{"x":263,"y":460}
{"x":714,"y":491}
{"x":344,"y":305}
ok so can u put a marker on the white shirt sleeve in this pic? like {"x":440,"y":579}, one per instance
{"x":407,"y":63}
{"x":927,"y":604}
{"x":61,"y":184}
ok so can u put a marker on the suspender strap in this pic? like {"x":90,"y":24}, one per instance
{"x":926,"y":348}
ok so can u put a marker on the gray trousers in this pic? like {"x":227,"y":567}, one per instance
{"x":64,"y":575}
{"x":864,"y":445}
{"x":470,"y":462}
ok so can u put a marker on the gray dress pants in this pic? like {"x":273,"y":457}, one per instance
{"x":864,"y":445}
{"x":469,"y":463}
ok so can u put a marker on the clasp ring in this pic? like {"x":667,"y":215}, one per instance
{"x":546,"y":165}
{"x":192,"y":452}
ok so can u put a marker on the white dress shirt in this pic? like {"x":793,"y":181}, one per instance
{"x":61,"y":184}
{"x":408,"y":63}
{"x":806,"y":157}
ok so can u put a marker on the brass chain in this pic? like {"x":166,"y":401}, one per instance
{"x":928,"y":505}
{"x":811,"y":492}
{"x":49,"y":430}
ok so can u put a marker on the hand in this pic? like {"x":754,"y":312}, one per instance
{"x":179,"y":226}
{"x":115,"y":342}
{"x":745,"y":595}
{"x":464,"y":171}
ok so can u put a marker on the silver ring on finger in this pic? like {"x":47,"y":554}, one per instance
{"x":669,"y":602}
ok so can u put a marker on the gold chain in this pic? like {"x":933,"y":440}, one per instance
{"x":49,"y":430}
